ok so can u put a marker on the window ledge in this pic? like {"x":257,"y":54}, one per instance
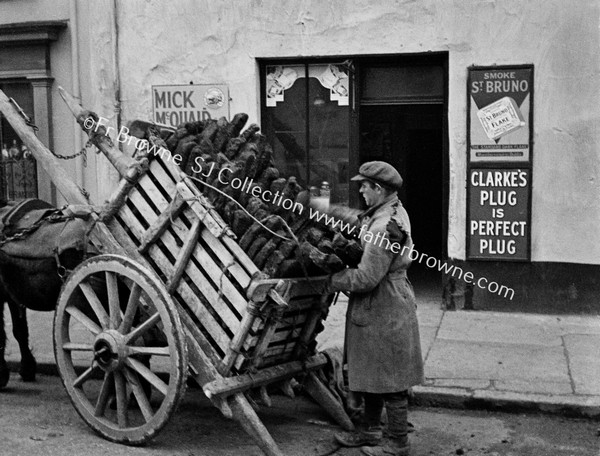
{"x":31,"y":32}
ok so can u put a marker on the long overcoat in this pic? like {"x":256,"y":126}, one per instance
{"x":382,"y":343}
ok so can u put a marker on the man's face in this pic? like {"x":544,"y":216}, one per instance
{"x":371,"y":193}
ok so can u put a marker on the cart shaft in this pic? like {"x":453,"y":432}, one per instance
{"x":59,"y":177}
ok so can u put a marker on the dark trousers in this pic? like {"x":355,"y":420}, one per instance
{"x":396,"y":405}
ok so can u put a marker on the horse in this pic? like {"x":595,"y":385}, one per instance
{"x":29,"y":269}
{"x":21,"y":334}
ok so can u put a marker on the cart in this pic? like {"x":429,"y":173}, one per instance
{"x":171,"y":295}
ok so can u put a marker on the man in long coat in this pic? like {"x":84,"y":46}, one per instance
{"x":382,"y":345}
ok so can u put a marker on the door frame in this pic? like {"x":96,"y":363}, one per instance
{"x":436,"y":58}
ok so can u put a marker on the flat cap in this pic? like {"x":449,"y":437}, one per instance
{"x":379,"y":172}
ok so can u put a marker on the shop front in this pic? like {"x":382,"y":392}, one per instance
{"x":489,"y":110}
{"x":325,"y":117}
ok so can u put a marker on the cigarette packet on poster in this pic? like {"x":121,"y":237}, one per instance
{"x":500,"y":118}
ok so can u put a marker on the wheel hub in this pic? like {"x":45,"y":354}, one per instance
{"x":110,"y":350}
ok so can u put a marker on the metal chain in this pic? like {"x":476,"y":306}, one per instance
{"x":83,"y":152}
{"x":54,"y":217}
{"x":30,"y":123}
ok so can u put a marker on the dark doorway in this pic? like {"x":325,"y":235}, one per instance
{"x":410,"y":137}
{"x":402,"y":119}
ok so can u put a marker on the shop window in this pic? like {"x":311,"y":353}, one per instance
{"x":25,"y":76}
{"x":305,"y":116}
{"x":18,"y":171}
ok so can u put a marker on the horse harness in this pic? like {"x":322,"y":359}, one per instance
{"x":23,"y":220}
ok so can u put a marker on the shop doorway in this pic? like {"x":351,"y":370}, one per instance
{"x":402,"y":120}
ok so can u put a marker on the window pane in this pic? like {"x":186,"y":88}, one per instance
{"x":399,"y":84}
{"x":324,"y":98}
{"x":18,"y":171}
{"x":284,"y":119}
{"x":328,"y":131}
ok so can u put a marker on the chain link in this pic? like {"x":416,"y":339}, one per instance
{"x":83,"y":152}
{"x":55,"y":217}
{"x":30,"y":123}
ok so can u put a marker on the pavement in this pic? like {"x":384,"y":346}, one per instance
{"x":473,"y":359}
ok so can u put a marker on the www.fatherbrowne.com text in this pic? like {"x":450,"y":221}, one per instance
{"x":202,"y":169}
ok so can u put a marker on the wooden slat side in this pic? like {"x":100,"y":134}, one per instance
{"x":241,"y":256}
{"x":162,"y":223}
{"x":251,"y":340}
{"x":264,"y":340}
{"x":208,"y":278}
{"x":228,"y":240}
{"x":205,"y":319}
{"x":287,"y":335}
{"x":201,"y":256}
{"x":196,"y":305}
{"x":216,"y":250}
{"x":202,"y":208}
{"x":184,"y":255}
{"x":292,"y":334}
{"x":214,"y":224}
{"x":308,"y":331}
{"x":175,"y":173}
{"x":235,"y":348}
{"x":215,"y":337}
{"x":157,"y":188}
{"x":282,"y":342}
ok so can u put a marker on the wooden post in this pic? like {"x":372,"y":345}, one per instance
{"x":246,"y":416}
{"x":252,"y":313}
{"x":97,"y":133}
{"x":59,"y":177}
{"x":325,"y":398}
{"x":119,"y":196}
{"x":243,"y":382}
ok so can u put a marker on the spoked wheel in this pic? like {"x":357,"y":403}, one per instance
{"x":120,"y":348}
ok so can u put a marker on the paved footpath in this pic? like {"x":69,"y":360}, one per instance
{"x":473,"y":359}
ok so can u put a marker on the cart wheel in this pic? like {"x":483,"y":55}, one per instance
{"x":120,"y":348}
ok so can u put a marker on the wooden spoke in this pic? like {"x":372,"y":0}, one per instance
{"x":139,"y":393}
{"x":84,"y":320}
{"x":95,"y":303}
{"x":71,"y":346}
{"x":114,"y":309}
{"x":105,"y":392}
{"x":83,"y":377}
{"x":158,"y":351}
{"x":141,"y":329}
{"x":121,"y":390}
{"x":132,"y":306}
{"x":148,"y":375}
{"x":125,"y":334}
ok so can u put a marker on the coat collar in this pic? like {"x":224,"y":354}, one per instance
{"x":389,"y":201}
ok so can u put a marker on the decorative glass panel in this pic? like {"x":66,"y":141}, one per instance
{"x":306,"y":119}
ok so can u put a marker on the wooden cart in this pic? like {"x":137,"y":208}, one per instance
{"x":171,"y":295}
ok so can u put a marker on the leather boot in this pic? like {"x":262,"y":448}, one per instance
{"x":388,"y":448}
{"x":369,"y":437}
